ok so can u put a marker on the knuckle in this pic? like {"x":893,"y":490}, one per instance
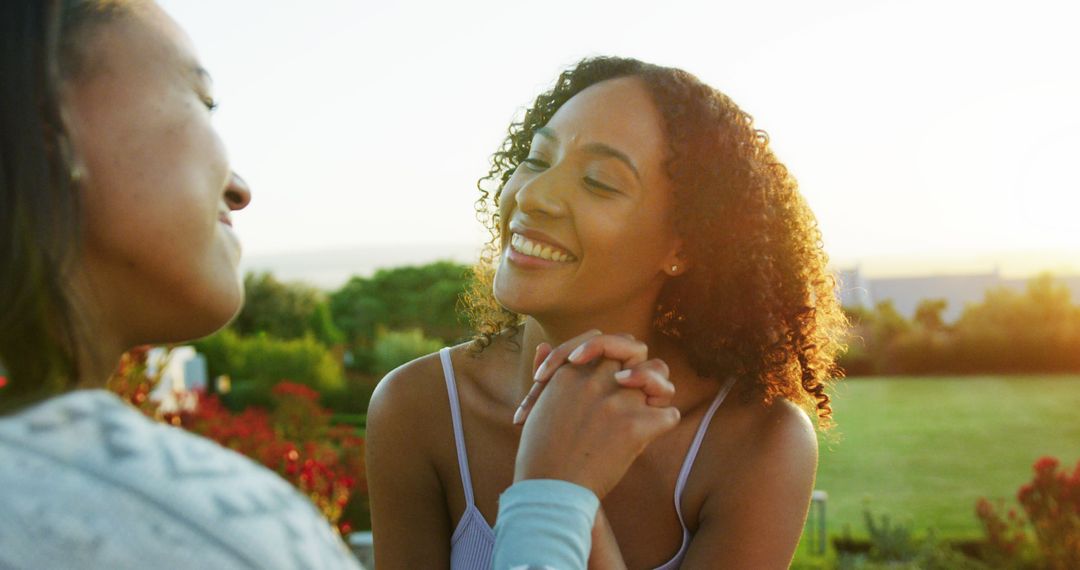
{"x":665,"y":386}
{"x":660,"y":367}
{"x":608,"y":367}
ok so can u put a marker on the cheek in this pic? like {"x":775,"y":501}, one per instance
{"x":507,"y":198}
{"x":633,"y":243}
{"x":505,"y":210}
{"x":151,"y":201}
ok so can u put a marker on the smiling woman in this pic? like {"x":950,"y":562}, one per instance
{"x":635,"y":200}
{"x":116,"y":197}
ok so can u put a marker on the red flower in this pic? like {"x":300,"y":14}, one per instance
{"x":1046,"y":465}
{"x":293,"y":390}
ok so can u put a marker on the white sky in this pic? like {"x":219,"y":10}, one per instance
{"x":915,"y":128}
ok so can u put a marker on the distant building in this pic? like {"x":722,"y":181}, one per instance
{"x":857,"y":290}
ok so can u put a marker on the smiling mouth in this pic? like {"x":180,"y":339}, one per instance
{"x":532,"y":248}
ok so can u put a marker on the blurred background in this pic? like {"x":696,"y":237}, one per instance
{"x":935,"y":141}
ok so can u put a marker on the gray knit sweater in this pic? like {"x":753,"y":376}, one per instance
{"x":86,"y":481}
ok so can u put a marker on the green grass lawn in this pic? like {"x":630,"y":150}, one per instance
{"x":923,"y":450}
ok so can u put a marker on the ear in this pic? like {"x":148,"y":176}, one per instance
{"x":675,"y":263}
{"x":76,"y":167}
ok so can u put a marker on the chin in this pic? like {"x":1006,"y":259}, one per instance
{"x":516,"y":301}
{"x":210,"y":313}
{"x":505,"y":296}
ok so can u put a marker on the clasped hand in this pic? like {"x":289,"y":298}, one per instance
{"x":597,"y":403}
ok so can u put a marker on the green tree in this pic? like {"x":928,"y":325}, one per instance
{"x":284,"y":310}
{"x":394,"y":348}
{"x":415,"y":297}
{"x":256,"y":363}
{"x":877,"y":331}
{"x":888,"y":323}
{"x":929,"y":314}
{"x":1034,"y":331}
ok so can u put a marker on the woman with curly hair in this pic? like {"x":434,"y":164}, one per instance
{"x":636,"y":200}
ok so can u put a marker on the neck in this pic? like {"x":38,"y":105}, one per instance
{"x":98,"y":343}
{"x":97,"y":360}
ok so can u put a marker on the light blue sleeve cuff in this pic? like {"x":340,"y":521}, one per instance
{"x":544,"y":524}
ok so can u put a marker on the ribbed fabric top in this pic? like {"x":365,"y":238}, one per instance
{"x":473,"y":541}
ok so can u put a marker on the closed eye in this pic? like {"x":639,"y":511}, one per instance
{"x":535,"y":164}
{"x":211,"y":104}
{"x":594,"y":183}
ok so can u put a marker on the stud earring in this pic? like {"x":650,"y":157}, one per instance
{"x":674,"y":268}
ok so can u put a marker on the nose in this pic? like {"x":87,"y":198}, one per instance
{"x":541,"y":195}
{"x":237,"y":193}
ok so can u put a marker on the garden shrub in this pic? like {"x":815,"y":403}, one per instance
{"x":394,"y":348}
{"x":264,"y":361}
{"x":1047,"y":533}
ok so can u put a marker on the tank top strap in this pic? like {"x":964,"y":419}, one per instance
{"x":459,"y":433}
{"x":695,"y":446}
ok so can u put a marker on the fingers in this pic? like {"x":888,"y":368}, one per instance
{"x":558,"y":356}
{"x":586,"y":348}
{"x":614,"y":347}
{"x":522,"y":412}
{"x":651,"y":377}
{"x":542,"y":351}
{"x":659,"y":420}
{"x":604,"y":370}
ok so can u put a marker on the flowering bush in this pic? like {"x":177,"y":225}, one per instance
{"x":1051,"y":505}
{"x":133,"y":381}
{"x":294,"y":438}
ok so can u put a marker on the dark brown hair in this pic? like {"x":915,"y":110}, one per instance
{"x":757,"y":301}
{"x":40,"y":47}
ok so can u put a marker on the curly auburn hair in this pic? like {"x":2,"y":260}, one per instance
{"x":757,"y":301}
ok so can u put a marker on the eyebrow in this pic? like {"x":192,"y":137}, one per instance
{"x":202,"y":73}
{"x":596,"y":148}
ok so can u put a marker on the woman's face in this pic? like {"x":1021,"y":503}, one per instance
{"x":586,"y":222}
{"x":158,"y":259}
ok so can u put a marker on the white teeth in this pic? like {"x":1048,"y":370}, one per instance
{"x":533,"y":249}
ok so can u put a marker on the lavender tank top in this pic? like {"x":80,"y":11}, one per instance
{"x":473,"y":541}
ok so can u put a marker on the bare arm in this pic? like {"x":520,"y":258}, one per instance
{"x":605,"y":553}
{"x":409,"y":519}
{"x":757,"y":522}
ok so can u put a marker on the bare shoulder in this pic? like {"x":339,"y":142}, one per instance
{"x":410,"y":387}
{"x":752,"y":511}
{"x":781,"y":445}
{"x":406,"y":448}
{"x":413,"y":390}
{"x":786,"y":434}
